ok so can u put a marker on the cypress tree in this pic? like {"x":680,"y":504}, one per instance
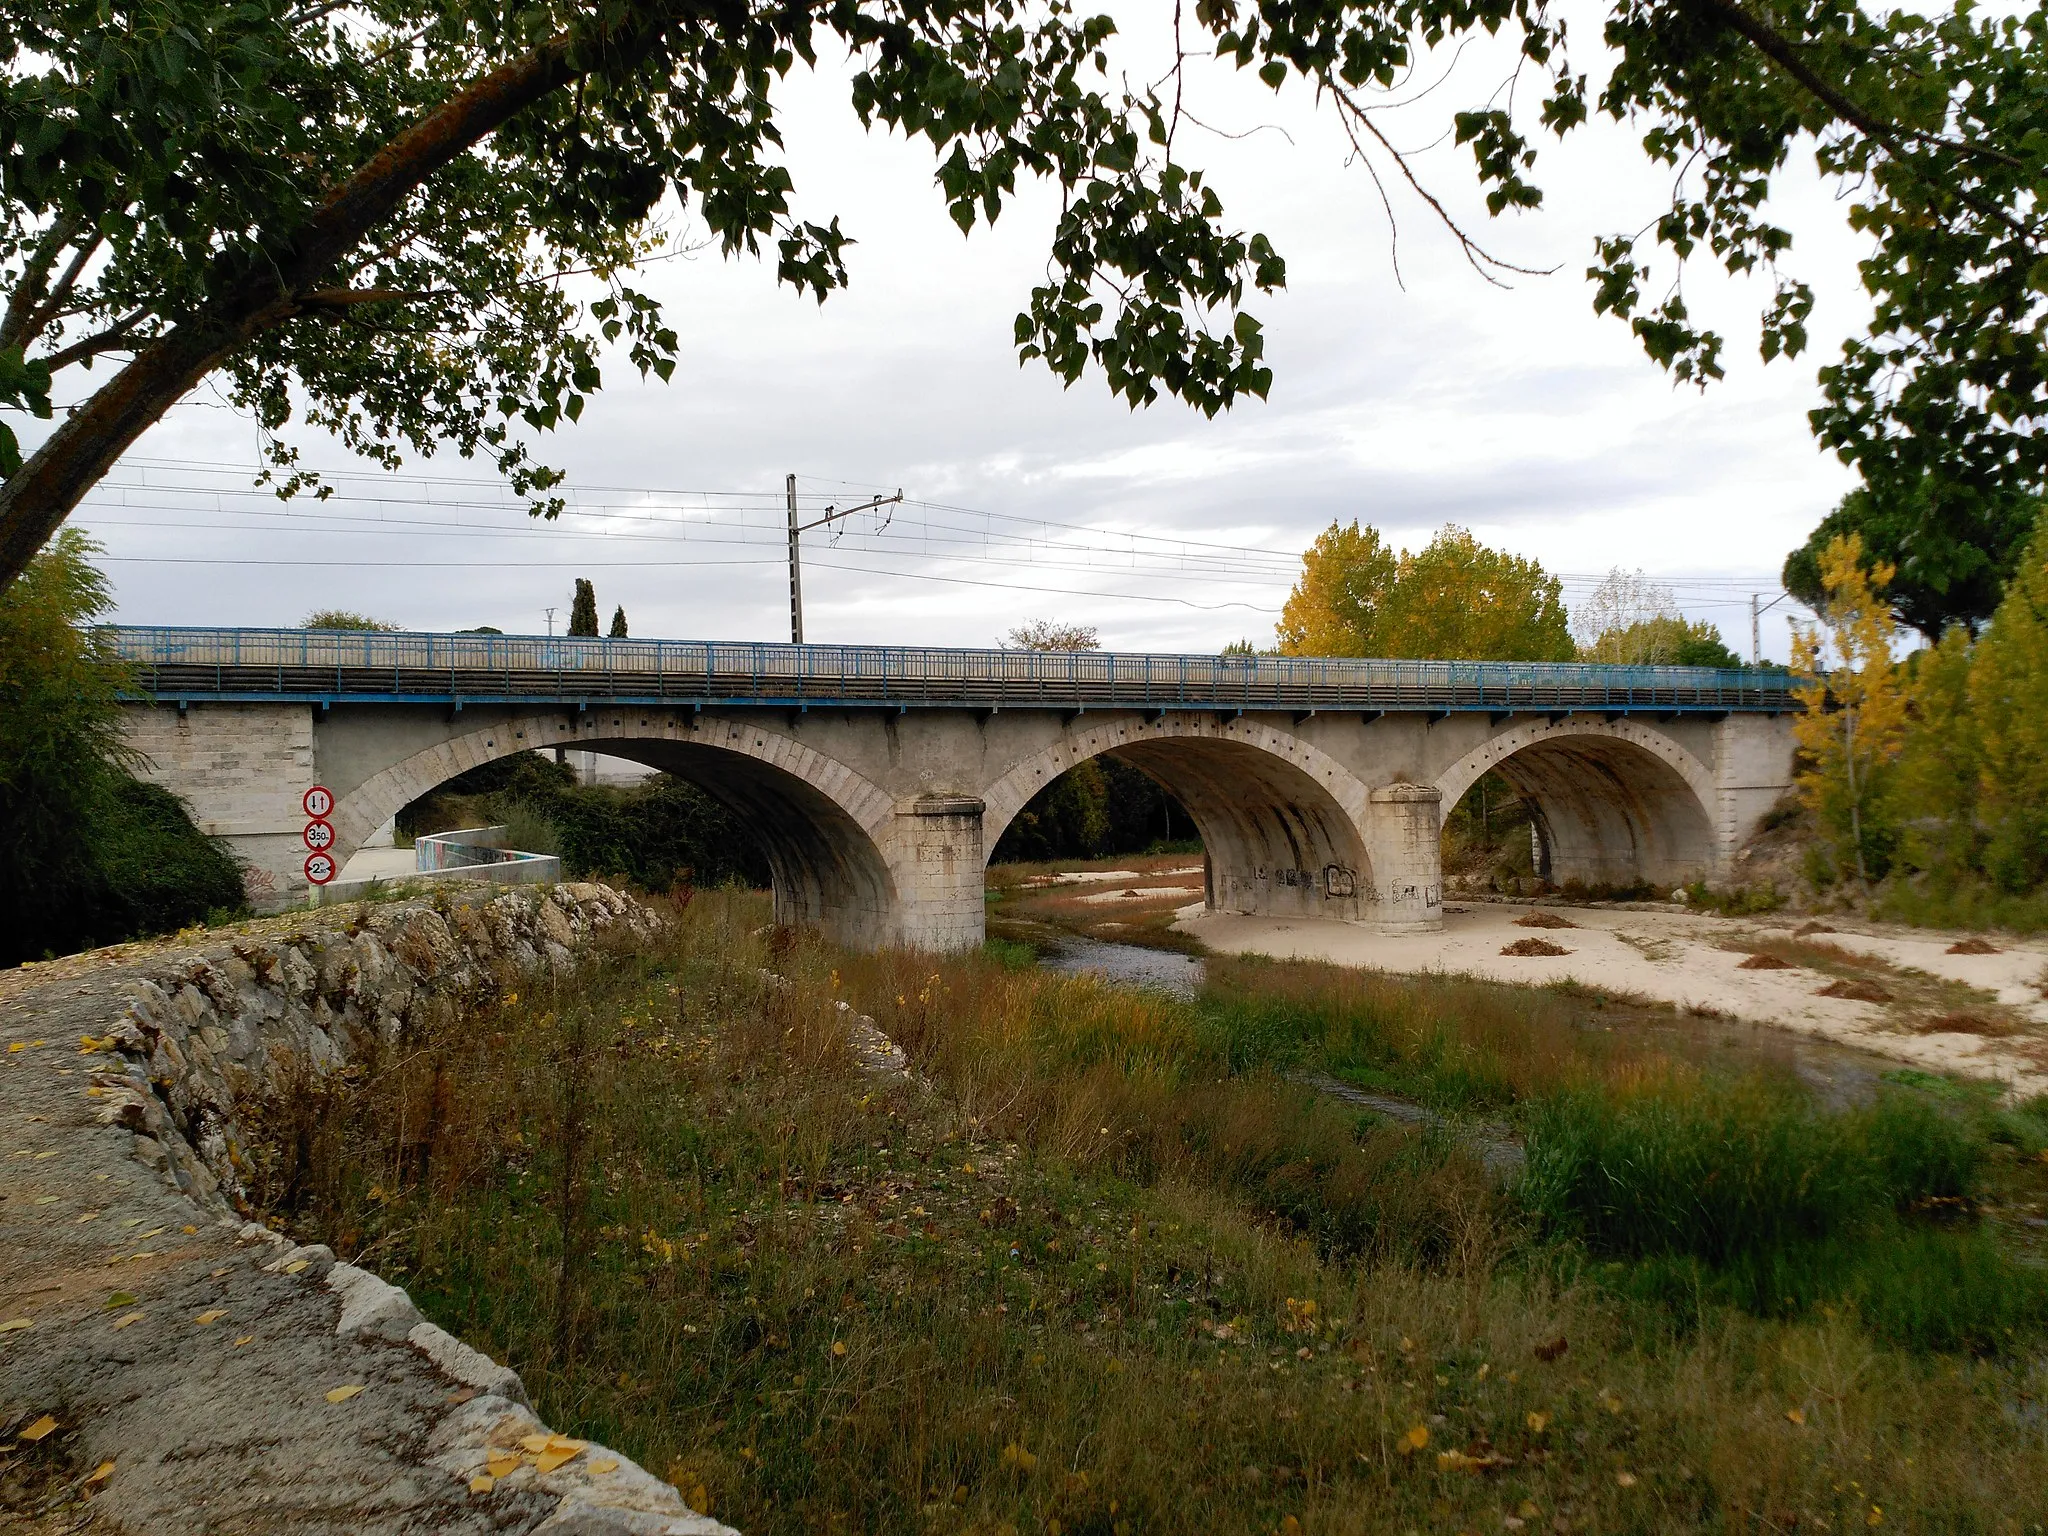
{"x":583,"y":611}
{"x":619,"y":622}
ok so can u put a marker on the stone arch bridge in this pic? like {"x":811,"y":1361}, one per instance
{"x":878,"y":779}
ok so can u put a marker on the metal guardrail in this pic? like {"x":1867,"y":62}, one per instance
{"x":335,"y":666}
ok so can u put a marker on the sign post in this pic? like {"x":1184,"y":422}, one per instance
{"x":318,"y":803}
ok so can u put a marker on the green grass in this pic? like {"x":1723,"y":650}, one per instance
{"x":1114,"y":1273}
{"x":1961,"y":901}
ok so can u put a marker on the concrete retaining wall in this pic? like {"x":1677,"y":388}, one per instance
{"x":175,"y":1050}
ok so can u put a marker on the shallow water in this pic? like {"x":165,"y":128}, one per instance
{"x":1838,"y":1076}
{"x":1134,"y":966}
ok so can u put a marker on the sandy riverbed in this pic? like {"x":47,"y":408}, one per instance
{"x":1679,"y":957}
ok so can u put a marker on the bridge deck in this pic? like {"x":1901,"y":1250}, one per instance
{"x":329,"y":667}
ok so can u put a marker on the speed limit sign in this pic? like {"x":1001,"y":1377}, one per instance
{"x":319,"y":835}
{"x":319,"y":867}
{"x":319,"y":800}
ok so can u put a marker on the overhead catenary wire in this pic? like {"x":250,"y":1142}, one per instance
{"x":428,"y":508}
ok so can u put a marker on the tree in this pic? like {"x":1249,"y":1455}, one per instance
{"x":1335,"y":609}
{"x":618,"y":629}
{"x":1952,"y":548}
{"x":88,"y":854}
{"x":1853,"y":719}
{"x":583,"y":610}
{"x":1453,"y":599}
{"x":1633,"y":621}
{"x":2009,"y":705}
{"x":391,"y":215}
{"x":341,"y":618}
{"x":1052,"y":635}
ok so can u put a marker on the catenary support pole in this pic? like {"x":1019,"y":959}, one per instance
{"x":796,"y":574}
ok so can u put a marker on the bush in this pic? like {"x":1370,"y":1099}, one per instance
{"x":88,"y":855}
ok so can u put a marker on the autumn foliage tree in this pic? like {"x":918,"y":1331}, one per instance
{"x":1453,"y":599}
{"x":1853,"y":709}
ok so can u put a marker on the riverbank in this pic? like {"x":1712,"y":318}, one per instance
{"x":1903,"y":993}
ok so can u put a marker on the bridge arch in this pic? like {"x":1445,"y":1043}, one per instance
{"x":824,"y":828}
{"x":1283,"y":823}
{"x":1616,"y":802}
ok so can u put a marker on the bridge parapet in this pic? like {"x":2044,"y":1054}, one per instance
{"x":177,"y":664}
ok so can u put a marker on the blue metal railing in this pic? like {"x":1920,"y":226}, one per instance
{"x":336,"y":665}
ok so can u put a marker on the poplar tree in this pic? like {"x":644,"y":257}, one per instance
{"x":583,"y":610}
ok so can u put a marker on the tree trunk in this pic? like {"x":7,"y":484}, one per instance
{"x":265,"y":293}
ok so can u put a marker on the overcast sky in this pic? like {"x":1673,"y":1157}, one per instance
{"x":1517,"y":413}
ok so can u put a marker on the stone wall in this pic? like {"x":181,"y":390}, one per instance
{"x":210,"y":1034}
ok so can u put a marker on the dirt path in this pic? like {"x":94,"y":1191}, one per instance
{"x":1981,"y":1015}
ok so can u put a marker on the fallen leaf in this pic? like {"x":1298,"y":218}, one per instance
{"x":1796,"y":1415}
{"x":47,"y":1200}
{"x":120,"y":1299}
{"x":100,"y":1474}
{"x":599,"y":1468}
{"x":534,"y":1444}
{"x":245,"y":1338}
{"x":188,"y":1231}
{"x":343,"y":1394}
{"x":89,"y":1216}
{"x":1415,"y":1440}
{"x":1538,"y":1422}
{"x":134,"y":1221}
{"x":210,"y":1315}
{"x":483,"y":1482}
{"x":1625,"y":1479}
{"x":123,"y":1322}
{"x":838,"y":1347}
{"x":44,"y":1157}
{"x":555,"y":1456}
{"x":143,"y":1237}
{"x":14,"y":1323}
{"x":462,"y":1394}
{"x":295,"y":1266}
{"x":39,"y":1429}
{"x":1014,"y":1455}
{"x":502,"y":1464}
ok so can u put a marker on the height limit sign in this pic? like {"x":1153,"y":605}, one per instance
{"x":319,"y":835}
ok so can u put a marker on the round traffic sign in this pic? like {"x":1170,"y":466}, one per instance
{"x":319,"y":800}
{"x":319,"y":835}
{"x":320,"y":867}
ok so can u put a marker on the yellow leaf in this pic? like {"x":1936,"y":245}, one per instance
{"x":1416,"y":1439}
{"x":47,"y":1200}
{"x":1527,"y":1509}
{"x":14,"y":1323}
{"x":1014,"y":1455}
{"x":534,"y":1443}
{"x":100,"y":1474}
{"x":188,"y":1231}
{"x":1796,"y":1415}
{"x":1538,"y":1422}
{"x":1875,"y":1517}
{"x":39,"y":1429}
{"x":16,"y":1046}
{"x":245,"y":1338}
{"x":502,"y":1463}
{"x":555,"y":1456}
{"x":599,"y":1468}
{"x":483,"y":1482}
{"x":838,"y":1347}
{"x":343,"y":1394}
{"x":88,"y":1216}
{"x":123,"y":1322}
{"x":1625,"y":1479}
{"x":211,"y":1315}
{"x":295,"y":1266}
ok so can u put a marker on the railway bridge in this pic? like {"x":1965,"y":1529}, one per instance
{"x":879,"y":778}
